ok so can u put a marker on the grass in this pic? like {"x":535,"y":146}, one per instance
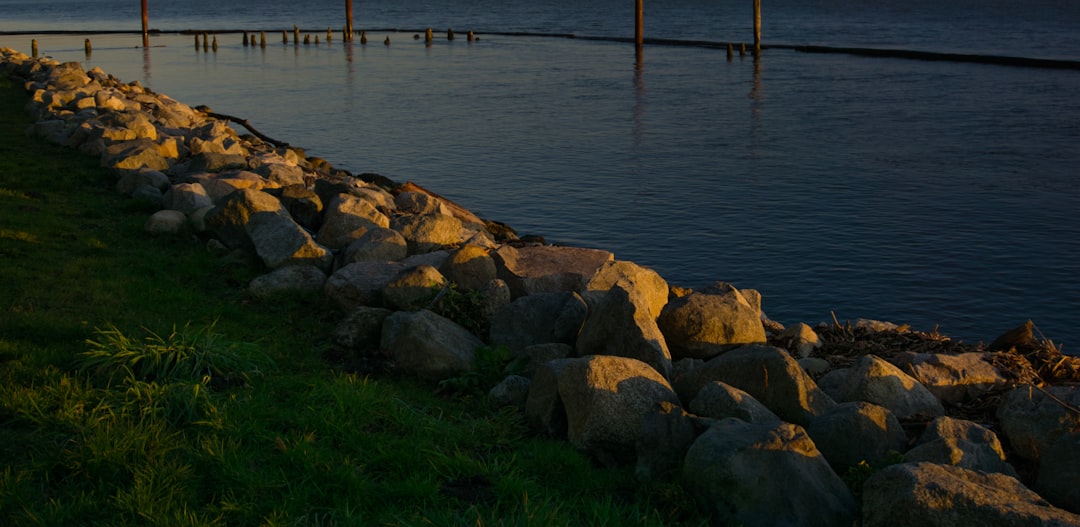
{"x":140,"y":386}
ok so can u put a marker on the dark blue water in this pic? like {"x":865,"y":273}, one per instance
{"x":919,"y":192}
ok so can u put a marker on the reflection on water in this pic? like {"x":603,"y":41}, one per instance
{"x":923,"y":193}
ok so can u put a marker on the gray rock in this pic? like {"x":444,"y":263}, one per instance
{"x":283,"y":174}
{"x":428,"y":346}
{"x":544,"y":410}
{"x":219,"y":185}
{"x":186,"y":197}
{"x":667,"y":432}
{"x":360,"y":332}
{"x":511,"y":391}
{"x":652,"y":287}
{"x":280,"y":241}
{"x":539,"y":319}
{"x":949,"y":441}
{"x":532,"y":357}
{"x":768,"y":374}
{"x":360,"y":284}
{"x":301,"y":279}
{"x":1058,"y":479}
{"x":418,"y":203}
{"x":859,"y":431}
{"x":547,"y":269}
{"x":134,"y":155}
{"x":216,"y":162}
{"x":703,"y":326}
{"x":719,"y":400}
{"x":427,"y":232}
{"x":933,"y":495}
{"x":413,"y":288}
{"x":1032,"y":419}
{"x":165,"y":222}
{"x":229,"y":218}
{"x":346,"y":219}
{"x":800,"y":340}
{"x":129,"y":181}
{"x":765,"y":474}
{"x":953,"y":379}
{"x":605,"y":400}
{"x":303,"y":205}
{"x":621,"y":323}
{"x":875,"y":380}
{"x":378,"y":244}
{"x":470,"y":267}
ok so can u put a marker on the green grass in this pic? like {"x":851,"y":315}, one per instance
{"x":140,"y":386}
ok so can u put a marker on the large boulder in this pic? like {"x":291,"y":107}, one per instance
{"x":229,"y":219}
{"x":428,"y":346}
{"x":966,"y":444}
{"x":1058,"y":479}
{"x":648,"y":283}
{"x":346,"y":218}
{"x":134,"y":155}
{"x":702,"y":326}
{"x":470,"y":266}
{"x":186,"y":198}
{"x":666,"y":434}
{"x":875,"y":380}
{"x":720,"y":400}
{"x":547,"y":268}
{"x":427,"y":232}
{"x":378,"y":244}
{"x":768,"y":374}
{"x":1033,"y":418}
{"x":413,"y":288}
{"x":539,"y":319}
{"x":360,"y":332}
{"x":953,"y":379}
{"x":360,"y":284}
{"x":932,"y":495}
{"x":605,"y":399}
{"x":765,"y":474}
{"x":850,"y":433}
{"x":621,"y":323}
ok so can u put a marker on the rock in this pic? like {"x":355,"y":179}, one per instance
{"x":719,"y":400}
{"x":932,"y":495}
{"x":953,"y":379}
{"x":538,"y":319}
{"x":768,"y":374}
{"x":544,"y":410}
{"x":280,"y":241}
{"x":1058,"y":479}
{"x":1032,"y":419}
{"x":547,"y":269}
{"x":67,"y":76}
{"x":703,"y":326}
{"x":378,"y":244}
{"x":134,"y":155}
{"x":303,"y":205}
{"x":346,"y":219}
{"x":800,"y":340}
{"x":220,"y":184}
{"x":165,"y":222}
{"x":216,"y":162}
{"x":532,"y":357}
{"x":849,"y":433}
{"x":229,"y":218}
{"x":302,"y":279}
{"x":427,"y":345}
{"x":186,"y":198}
{"x":413,"y":288}
{"x":875,"y":380}
{"x":470,"y":266}
{"x":1018,"y":337}
{"x":283,"y":174}
{"x":621,"y":323}
{"x":419,"y":203}
{"x":130,"y":181}
{"x":652,"y":287}
{"x":360,"y":332}
{"x":511,"y":391}
{"x":815,"y":366}
{"x":427,"y":232}
{"x":764,"y":474}
{"x":667,"y":432}
{"x":605,"y":400}
{"x":360,"y":284}
{"x":949,"y":441}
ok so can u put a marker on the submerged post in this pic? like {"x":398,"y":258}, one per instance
{"x":33,"y":48}
{"x":639,"y":24}
{"x":348,"y":20}
{"x":145,"y":23}
{"x":757,"y":27}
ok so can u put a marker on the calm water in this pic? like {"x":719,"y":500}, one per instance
{"x":927,"y":193}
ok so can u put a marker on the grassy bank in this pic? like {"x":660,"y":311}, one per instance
{"x":139,"y":385}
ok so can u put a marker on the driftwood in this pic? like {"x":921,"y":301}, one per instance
{"x":246,"y":124}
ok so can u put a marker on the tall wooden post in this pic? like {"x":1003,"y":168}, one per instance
{"x":757,"y":27}
{"x":145,"y":24}
{"x":348,"y":20}
{"x":639,"y":24}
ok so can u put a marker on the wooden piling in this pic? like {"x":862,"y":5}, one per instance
{"x":205,"y":42}
{"x":196,"y":42}
{"x":262,"y":39}
{"x":348,"y":20}
{"x":307,"y":39}
{"x":470,"y":36}
{"x":145,"y":26}
{"x":639,"y":24}
{"x":86,"y":47}
{"x":450,"y":34}
{"x":387,"y":41}
{"x":245,"y":39}
{"x":33,"y":48}
{"x":363,"y":38}
{"x":730,"y":51}
{"x":429,"y":36}
{"x":757,"y":27}
{"x":329,"y":35}
{"x":213,"y":46}
{"x":742,"y":49}
{"x":295,"y":34}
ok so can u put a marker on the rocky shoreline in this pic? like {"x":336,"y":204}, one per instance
{"x":868,"y":423}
